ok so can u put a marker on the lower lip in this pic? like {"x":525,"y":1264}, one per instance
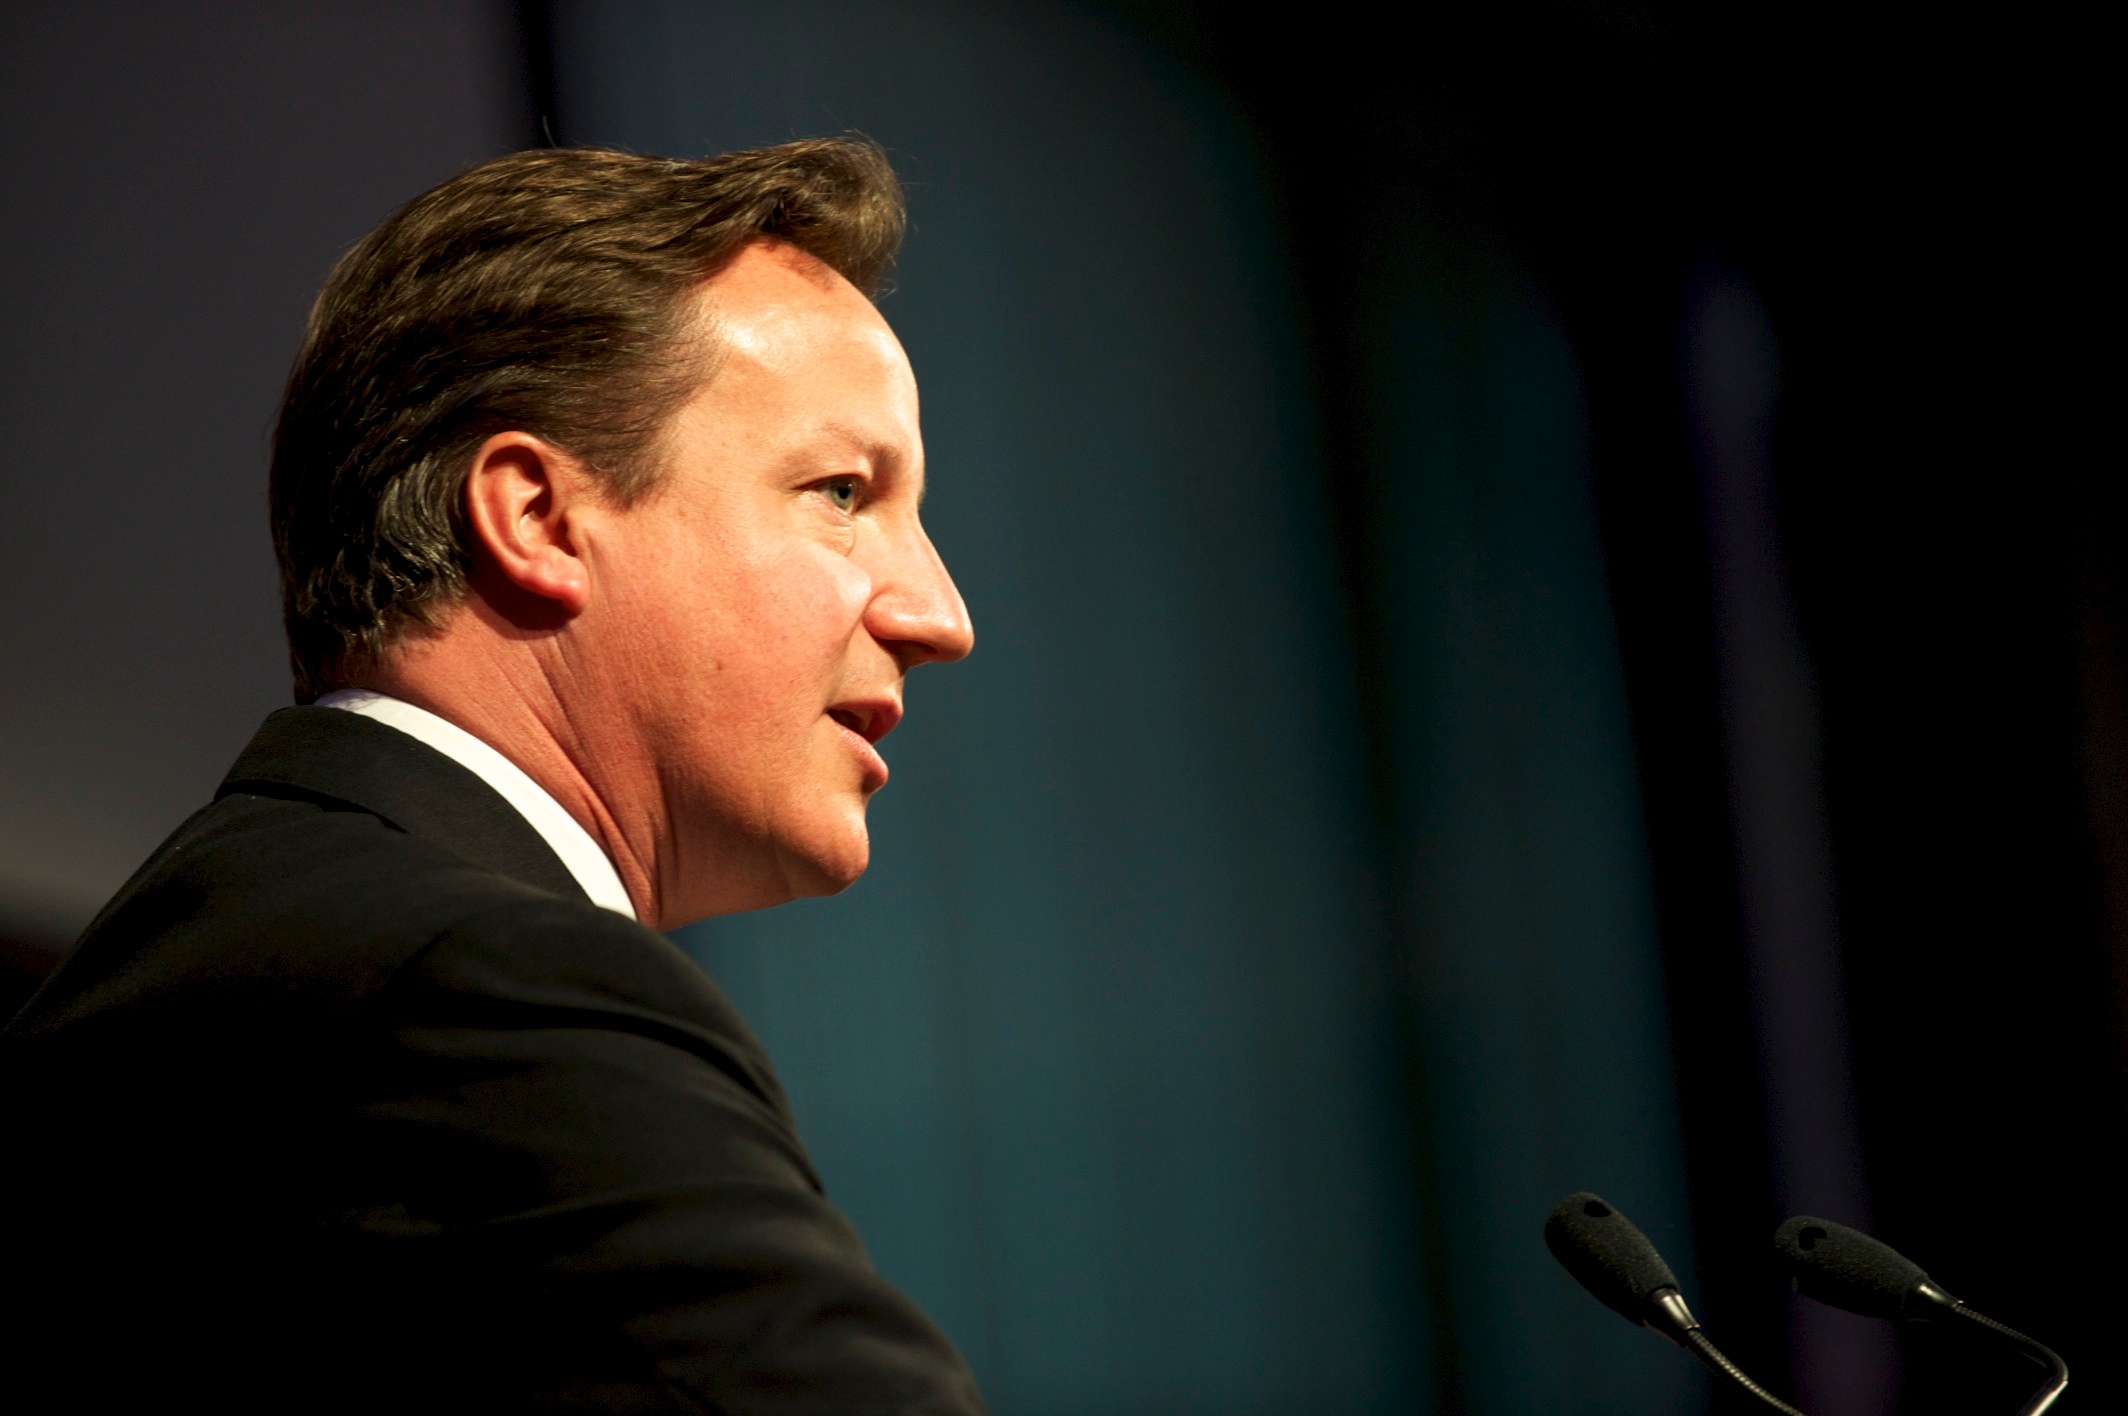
{"x":875,"y":766}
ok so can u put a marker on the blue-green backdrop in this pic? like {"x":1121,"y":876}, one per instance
{"x":1200,"y":1041}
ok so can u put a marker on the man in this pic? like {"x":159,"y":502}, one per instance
{"x":595,"y":498}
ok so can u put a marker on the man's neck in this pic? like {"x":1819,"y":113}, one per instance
{"x":586,"y":862}
{"x":526,"y":723}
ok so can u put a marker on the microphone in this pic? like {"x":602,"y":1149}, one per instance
{"x":1615,"y":1262}
{"x":1847,"y":1269}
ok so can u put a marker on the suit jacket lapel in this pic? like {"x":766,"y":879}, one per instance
{"x":345,"y":757}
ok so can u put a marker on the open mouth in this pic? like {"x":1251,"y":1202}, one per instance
{"x":863,"y":723}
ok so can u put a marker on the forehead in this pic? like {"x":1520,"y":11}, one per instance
{"x":805,"y":377}
{"x":801,"y":353}
{"x":774,"y":303}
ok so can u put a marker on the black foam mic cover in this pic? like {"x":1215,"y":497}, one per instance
{"x":1848,"y":1269}
{"x":1611,"y":1258}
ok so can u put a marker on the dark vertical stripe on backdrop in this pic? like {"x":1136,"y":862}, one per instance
{"x":1522,"y":882}
{"x":1791,"y":932}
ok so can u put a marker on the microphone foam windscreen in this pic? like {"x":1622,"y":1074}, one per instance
{"x":1846,"y":1268}
{"x":1611,"y":1258}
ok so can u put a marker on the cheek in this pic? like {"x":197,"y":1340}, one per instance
{"x":796,"y":614}
{"x":806,"y":595}
{"x":769,"y":637}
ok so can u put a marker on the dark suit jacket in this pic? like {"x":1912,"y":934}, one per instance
{"x":351,"y":1099}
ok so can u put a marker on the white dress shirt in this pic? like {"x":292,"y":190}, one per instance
{"x":590,"y":865}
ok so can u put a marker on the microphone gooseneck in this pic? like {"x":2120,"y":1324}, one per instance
{"x":1611,"y":1258}
{"x":1846,"y":1268}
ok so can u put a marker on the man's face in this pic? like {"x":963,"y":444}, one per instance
{"x":758,"y":611}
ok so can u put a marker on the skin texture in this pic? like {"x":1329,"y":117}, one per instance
{"x":701,"y":679}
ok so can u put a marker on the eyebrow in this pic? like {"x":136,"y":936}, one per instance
{"x":878,"y":453}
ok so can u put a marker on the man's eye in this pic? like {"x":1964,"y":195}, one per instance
{"x":843,"y":492}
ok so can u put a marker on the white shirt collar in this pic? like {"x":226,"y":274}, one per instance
{"x":578,"y":851}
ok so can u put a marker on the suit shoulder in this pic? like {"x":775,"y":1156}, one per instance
{"x":316,"y":905}
{"x":545,"y":962}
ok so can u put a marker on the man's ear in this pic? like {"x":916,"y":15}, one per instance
{"x":523,"y":503}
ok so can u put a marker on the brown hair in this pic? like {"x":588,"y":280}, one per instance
{"x":545,"y":291}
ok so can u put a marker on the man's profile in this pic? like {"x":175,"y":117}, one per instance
{"x":594,"y":495}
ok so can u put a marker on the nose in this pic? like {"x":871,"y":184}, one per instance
{"x":917,"y":611}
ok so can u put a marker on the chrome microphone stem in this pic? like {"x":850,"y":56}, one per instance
{"x":1674,"y":1320}
{"x":1932,"y":1302}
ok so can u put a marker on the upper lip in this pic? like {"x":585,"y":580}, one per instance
{"x":870,"y":718}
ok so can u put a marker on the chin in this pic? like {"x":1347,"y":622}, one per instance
{"x":794,"y":877}
{"x":831,"y":871}
{"x":801,"y":855}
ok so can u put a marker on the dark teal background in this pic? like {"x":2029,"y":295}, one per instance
{"x":1120,"y":1056}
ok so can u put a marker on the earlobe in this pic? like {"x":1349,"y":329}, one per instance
{"x":522,"y":499}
